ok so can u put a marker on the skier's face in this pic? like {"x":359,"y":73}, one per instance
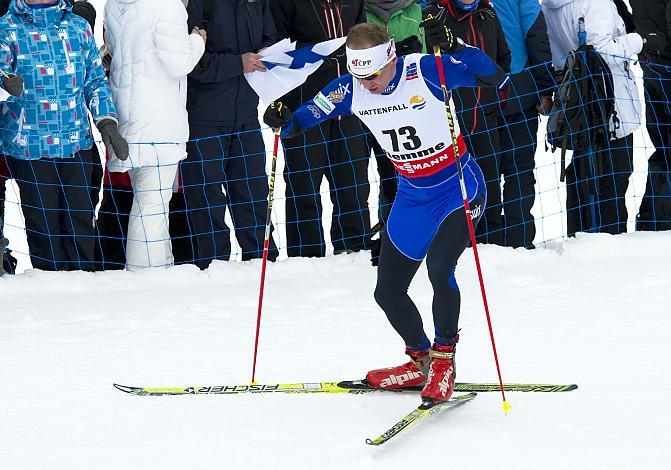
{"x":379,"y":82}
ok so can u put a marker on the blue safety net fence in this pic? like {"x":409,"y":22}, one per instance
{"x":334,"y":187}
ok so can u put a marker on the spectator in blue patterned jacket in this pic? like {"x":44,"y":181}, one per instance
{"x":47,"y":131}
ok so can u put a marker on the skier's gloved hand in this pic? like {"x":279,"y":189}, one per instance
{"x":437,"y":34}
{"x":277,"y":116}
{"x":13,"y":84}
{"x":654,"y":43}
{"x":111,"y":137}
{"x":409,"y":45}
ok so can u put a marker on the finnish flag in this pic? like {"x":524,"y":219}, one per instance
{"x":288,"y":67}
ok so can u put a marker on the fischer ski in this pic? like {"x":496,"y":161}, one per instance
{"x":418,"y":415}
{"x":354,"y":387}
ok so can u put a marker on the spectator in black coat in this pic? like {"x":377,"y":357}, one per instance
{"x":479,"y":110}
{"x":653,"y":22}
{"x":227,"y":147}
{"x":336,"y":149}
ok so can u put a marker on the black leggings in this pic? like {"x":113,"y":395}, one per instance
{"x":396,"y":271}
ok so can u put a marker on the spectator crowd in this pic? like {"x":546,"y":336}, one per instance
{"x":182,"y":141}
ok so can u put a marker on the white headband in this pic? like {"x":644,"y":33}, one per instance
{"x":362,"y":63}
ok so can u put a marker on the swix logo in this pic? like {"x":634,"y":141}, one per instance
{"x":337,"y":96}
{"x":444,"y":384}
{"x":361,"y":62}
{"x":400,"y":379}
{"x":475,"y":212}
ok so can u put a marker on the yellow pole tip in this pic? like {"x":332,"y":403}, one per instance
{"x":506,"y":406}
{"x":253,"y":383}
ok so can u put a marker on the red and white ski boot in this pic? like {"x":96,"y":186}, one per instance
{"x":410,"y":374}
{"x":440,"y":380}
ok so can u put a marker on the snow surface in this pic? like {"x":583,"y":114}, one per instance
{"x":592,"y":311}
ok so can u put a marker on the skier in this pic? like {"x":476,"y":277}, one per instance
{"x":401,"y":101}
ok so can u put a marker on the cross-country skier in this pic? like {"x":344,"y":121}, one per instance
{"x":401,"y":101}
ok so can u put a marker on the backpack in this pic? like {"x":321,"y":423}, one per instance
{"x":583,"y":105}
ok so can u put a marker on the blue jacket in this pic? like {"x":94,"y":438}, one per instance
{"x":218,"y":93}
{"x":55,"y":53}
{"x":525,"y":30}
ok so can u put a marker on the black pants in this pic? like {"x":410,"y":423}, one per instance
{"x":3,"y":243}
{"x":58,"y":210}
{"x":596,"y":184}
{"x":236,"y":160}
{"x":2,"y":206}
{"x":112,"y":227}
{"x":516,"y":164}
{"x":484,"y":144}
{"x":338,"y":150}
{"x":396,"y":271}
{"x":655,"y":211}
{"x":7,"y":261}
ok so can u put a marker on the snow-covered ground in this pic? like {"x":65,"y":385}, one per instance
{"x":593,"y":310}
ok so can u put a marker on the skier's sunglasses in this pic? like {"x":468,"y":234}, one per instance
{"x":372,"y":76}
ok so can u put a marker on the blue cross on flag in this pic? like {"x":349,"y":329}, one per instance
{"x":288,"y":67}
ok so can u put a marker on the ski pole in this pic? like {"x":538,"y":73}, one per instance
{"x":469,"y":215}
{"x":266,"y":242}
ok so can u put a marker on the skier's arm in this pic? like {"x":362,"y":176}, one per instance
{"x":333,"y":101}
{"x":468,"y":67}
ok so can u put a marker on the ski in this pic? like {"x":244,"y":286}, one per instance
{"x":418,"y":415}
{"x":353,"y":387}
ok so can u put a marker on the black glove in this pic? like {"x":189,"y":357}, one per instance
{"x":409,"y":45}
{"x":277,"y":115}
{"x":110,"y":134}
{"x":13,"y":84}
{"x":437,"y":34}
{"x":84,"y":9}
{"x":654,"y":43}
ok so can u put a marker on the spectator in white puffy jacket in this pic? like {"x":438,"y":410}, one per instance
{"x":607,"y":33}
{"x":152,"y":53}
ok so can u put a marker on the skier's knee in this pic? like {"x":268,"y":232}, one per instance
{"x":442,"y":276}
{"x":386,"y":297}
